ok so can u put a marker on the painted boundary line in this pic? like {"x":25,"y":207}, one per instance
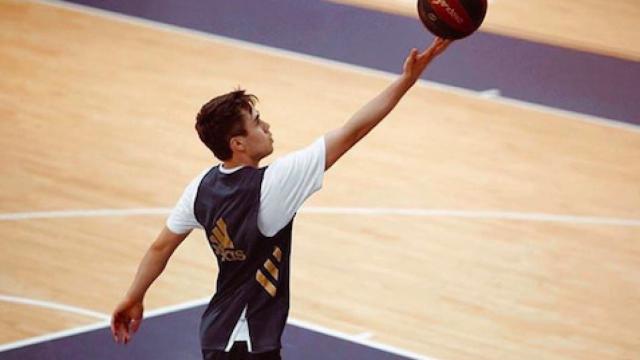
{"x":82,"y":213}
{"x":413,"y":212}
{"x":54,"y":306}
{"x":358,"y":339}
{"x":482,"y":95}
{"x":87,"y":328}
{"x":171,"y":309}
{"x":53,"y":336}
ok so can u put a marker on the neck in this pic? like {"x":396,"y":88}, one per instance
{"x":236,"y":161}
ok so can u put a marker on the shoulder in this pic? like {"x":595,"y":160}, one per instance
{"x":287,"y":183}
{"x":195,"y":183}
{"x":182,"y":218}
{"x":300,"y":161}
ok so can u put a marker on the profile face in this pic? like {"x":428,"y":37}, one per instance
{"x":259,"y":140}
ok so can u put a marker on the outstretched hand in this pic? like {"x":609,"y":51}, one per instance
{"x":126,"y":320}
{"x":416,"y":62}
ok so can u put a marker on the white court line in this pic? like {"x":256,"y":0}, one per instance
{"x":83,"y":329}
{"x":414,"y":212}
{"x":336,"y":64}
{"x":82,"y":213}
{"x":358,"y":339}
{"x":482,"y":215}
{"x":53,"y":336}
{"x":364,"y":335}
{"x":54,"y":306}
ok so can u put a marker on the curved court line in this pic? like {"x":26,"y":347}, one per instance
{"x":434,"y":213}
{"x":362,"y":339}
{"x":82,"y":329}
{"x":53,"y":336}
{"x":337,"y":64}
{"x":54,"y":306}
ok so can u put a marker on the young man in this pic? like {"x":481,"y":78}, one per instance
{"x":247,"y":214}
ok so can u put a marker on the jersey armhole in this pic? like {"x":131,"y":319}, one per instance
{"x":195,"y":197}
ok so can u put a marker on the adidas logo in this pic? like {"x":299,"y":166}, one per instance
{"x":223,"y":245}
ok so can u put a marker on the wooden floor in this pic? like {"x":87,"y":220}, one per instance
{"x":98,"y":114}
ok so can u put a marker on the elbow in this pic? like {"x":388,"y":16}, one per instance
{"x":351,"y":135}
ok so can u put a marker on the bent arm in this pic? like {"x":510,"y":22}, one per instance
{"x":340,"y":140}
{"x":154,"y":262}
{"x":127,"y":315}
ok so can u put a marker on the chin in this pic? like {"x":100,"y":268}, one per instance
{"x":266,"y":153}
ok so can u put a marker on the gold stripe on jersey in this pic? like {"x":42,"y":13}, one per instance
{"x":271,"y":268}
{"x":277,"y":253}
{"x":266,"y":283}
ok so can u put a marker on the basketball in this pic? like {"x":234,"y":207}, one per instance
{"x":452,"y":19}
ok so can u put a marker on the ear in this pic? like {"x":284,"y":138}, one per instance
{"x":236,"y":143}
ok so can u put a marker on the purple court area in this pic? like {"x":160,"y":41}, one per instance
{"x":548,"y":75}
{"x":175,"y":336}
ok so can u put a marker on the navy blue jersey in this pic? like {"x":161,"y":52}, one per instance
{"x":253,"y":268}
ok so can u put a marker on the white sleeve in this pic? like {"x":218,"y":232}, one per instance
{"x":287,"y":183}
{"x":182,"y":218}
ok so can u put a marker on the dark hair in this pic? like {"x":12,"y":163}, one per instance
{"x":221,"y":119}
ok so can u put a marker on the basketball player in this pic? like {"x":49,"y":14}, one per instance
{"x":247,"y":214}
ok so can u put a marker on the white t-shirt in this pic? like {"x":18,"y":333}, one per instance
{"x":286,"y":184}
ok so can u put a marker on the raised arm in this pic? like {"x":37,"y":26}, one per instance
{"x":340,"y":140}
{"x":127,"y":316}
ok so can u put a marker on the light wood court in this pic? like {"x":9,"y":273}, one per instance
{"x":98,"y":113}
{"x":609,"y":28}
